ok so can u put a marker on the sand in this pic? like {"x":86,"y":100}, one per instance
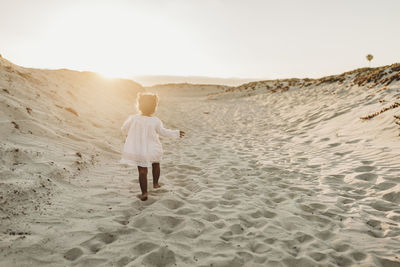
{"x":286,"y":178}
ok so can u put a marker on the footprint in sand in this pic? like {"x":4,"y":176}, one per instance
{"x":185,"y":211}
{"x":229,"y":196}
{"x":341,"y":201}
{"x":364,"y":168}
{"x":161,"y":257}
{"x":226,"y":236}
{"x":298,"y":261}
{"x":210,"y":204}
{"x":324,"y":235}
{"x":341,"y":247}
{"x":303,"y":237}
{"x":165,"y":224}
{"x":358,"y":256}
{"x":144,"y":248}
{"x":229,"y":203}
{"x":96,"y":243}
{"x":318,"y":206}
{"x":317,"y":256}
{"x":341,"y":154}
{"x":171,"y":204}
{"x":236,"y":229}
{"x":73,"y":254}
{"x":269,"y":214}
{"x":123,"y":261}
{"x":384,"y":185}
{"x":334,"y":144}
{"x":353,"y":141}
{"x":123,"y":220}
{"x":368,"y":177}
{"x":367,"y":162}
{"x":210,"y":217}
{"x":382,"y":205}
{"x":392,"y":197}
{"x":258,"y":247}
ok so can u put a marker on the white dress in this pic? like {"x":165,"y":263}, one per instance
{"x":142,"y":145}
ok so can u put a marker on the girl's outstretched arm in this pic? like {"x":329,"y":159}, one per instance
{"x":126,"y":125}
{"x":167,"y":132}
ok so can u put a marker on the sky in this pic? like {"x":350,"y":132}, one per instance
{"x":266,"y":39}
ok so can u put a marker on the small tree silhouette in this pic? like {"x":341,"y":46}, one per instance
{"x":369,"y":58}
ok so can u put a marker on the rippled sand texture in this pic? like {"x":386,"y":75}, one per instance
{"x":286,"y":178}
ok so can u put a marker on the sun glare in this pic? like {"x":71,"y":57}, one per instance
{"x":119,"y":42}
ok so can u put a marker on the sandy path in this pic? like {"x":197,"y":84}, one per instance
{"x":242,"y":188}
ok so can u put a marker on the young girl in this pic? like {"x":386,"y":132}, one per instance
{"x":142,"y":146}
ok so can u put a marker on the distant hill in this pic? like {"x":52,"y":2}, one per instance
{"x":150,"y":80}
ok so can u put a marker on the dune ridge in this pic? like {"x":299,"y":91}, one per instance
{"x":270,"y":173}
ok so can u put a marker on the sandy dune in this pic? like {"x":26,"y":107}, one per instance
{"x":266,"y":176}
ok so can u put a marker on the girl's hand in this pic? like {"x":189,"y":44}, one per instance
{"x":181,"y":134}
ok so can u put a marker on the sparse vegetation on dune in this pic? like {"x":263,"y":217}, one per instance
{"x":370,"y":116}
{"x":379,"y":85}
{"x":397,"y":120}
{"x":384,"y":75}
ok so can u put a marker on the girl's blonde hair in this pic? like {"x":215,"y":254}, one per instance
{"x":146,"y":103}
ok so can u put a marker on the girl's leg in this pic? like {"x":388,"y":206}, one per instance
{"x":156,"y":174}
{"x":143,"y":182}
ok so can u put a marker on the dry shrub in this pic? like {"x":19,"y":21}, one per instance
{"x":370,"y":116}
{"x":397,"y":120}
{"x":377,"y":75}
